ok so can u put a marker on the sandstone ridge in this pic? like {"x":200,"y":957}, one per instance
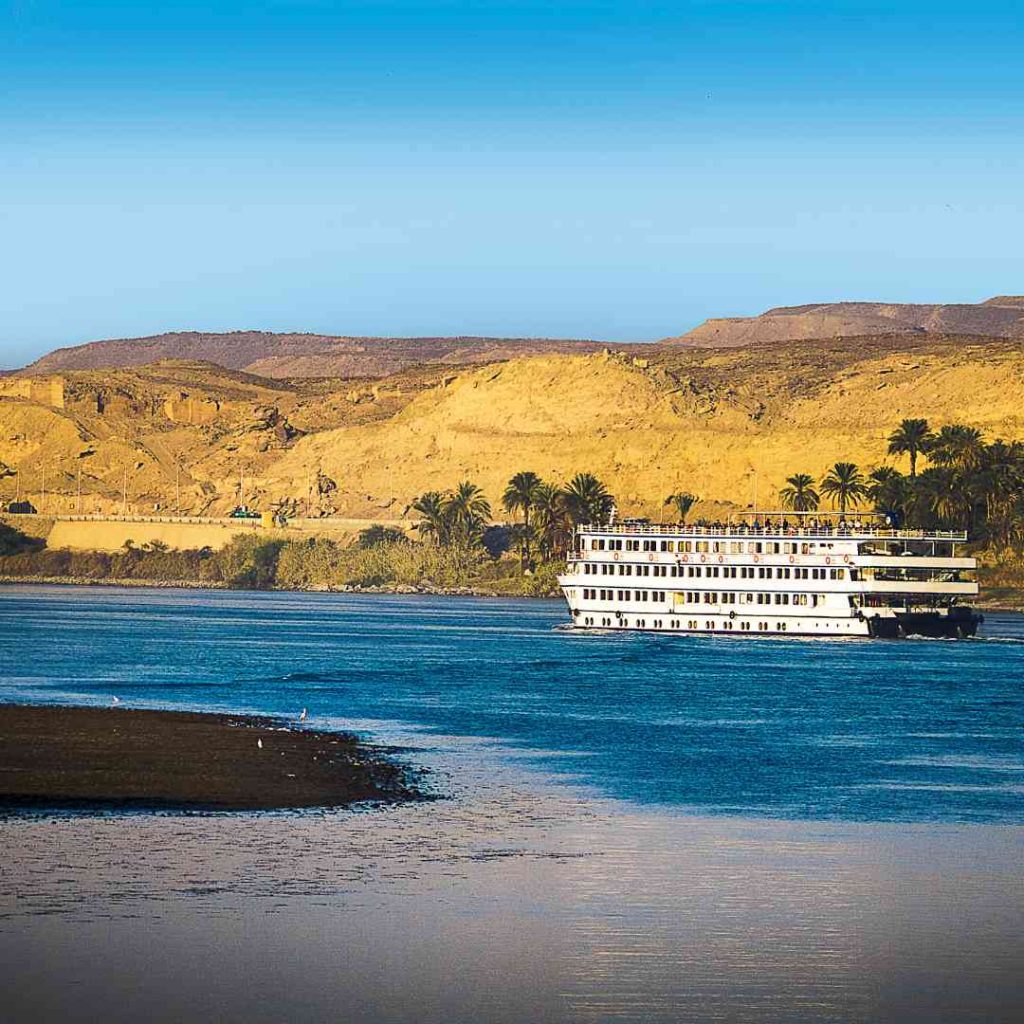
{"x":1001,"y":316}
{"x":297,"y":355}
{"x":719,"y":422}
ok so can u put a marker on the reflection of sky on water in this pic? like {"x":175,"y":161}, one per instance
{"x":512,"y":905}
{"x":538,"y":889}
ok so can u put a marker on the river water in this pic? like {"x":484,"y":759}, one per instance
{"x":631,"y":828}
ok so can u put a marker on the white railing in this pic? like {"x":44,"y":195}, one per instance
{"x":829,"y":532}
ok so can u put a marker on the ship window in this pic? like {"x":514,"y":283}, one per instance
{"x":702,"y":545}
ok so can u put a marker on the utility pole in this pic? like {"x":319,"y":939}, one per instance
{"x":42,"y":501}
{"x":124,"y":493}
{"x":177,"y":486}
{"x":78,"y":506}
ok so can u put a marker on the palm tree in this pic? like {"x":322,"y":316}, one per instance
{"x":466,"y":512}
{"x":551,"y":518}
{"x":799,"y":494}
{"x":520,"y":495}
{"x":911,"y":438}
{"x":844,"y":484}
{"x":957,"y":447}
{"x":433,"y":522}
{"x":888,"y":490}
{"x":683,"y":502}
{"x":999,"y":484}
{"x":587,"y":500}
{"x":939,"y":499}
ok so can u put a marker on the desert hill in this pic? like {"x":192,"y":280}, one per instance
{"x":714,"y":421}
{"x":298,"y":355}
{"x":1001,"y":317}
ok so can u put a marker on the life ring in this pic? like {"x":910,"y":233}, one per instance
{"x":686,"y":558}
{"x":616,"y":556}
{"x":757,"y":558}
{"x":650,"y":557}
{"x":732,"y":615}
{"x":721,"y":559}
{"x":703,"y":558}
{"x":828,"y":559}
{"x":792,"y":559}
{"x":846,"y":559}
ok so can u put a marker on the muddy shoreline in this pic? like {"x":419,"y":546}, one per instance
{"x":115,"y":758}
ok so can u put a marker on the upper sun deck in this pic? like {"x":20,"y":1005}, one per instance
{"x":783,"y":528}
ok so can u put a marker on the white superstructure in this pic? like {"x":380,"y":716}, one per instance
{"x":777,"y":574}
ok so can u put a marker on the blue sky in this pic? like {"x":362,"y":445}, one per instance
{"x":614,"y":170}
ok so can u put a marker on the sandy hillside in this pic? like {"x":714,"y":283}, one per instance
{"x":716,"y":422}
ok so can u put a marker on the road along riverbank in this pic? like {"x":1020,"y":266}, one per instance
{"x":117,"y":758}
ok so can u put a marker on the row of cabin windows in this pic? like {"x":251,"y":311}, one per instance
{"x":743,"y":572}
{"x":762,"y":627}
{"x":715,"y":547}
{"x":593,"y":594}
{"x":715,"y":597}
{"x":703,"y":597}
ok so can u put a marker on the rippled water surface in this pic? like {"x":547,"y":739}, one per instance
{"x":634,"y":828}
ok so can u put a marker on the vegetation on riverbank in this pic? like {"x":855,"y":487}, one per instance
{"x":377,"y":560}
{"x":967,"y":483}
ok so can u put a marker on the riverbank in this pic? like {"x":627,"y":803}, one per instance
{"x":993,"y":599}
{"x":116,"y":758}
{"x":319,"y":588}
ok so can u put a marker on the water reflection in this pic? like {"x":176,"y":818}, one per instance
{"x":574,"y":872}
{"x":515,"y":900}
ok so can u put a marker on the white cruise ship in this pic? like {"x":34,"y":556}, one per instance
{"x":774,"y":573}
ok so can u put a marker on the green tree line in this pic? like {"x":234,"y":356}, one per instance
{"x":968,"y":484}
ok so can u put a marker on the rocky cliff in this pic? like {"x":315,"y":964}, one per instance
{"x":1001,"y":317}
{"x":717,"y":422}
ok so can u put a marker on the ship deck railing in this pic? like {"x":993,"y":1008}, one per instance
{"x":743,"y":530}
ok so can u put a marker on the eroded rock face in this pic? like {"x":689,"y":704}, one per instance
{"x":42,"y":390}
{"x":184,"y":408}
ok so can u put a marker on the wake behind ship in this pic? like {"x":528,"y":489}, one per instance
{"x":780,"y":573}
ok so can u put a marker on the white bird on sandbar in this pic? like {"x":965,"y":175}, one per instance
{"x":115,"y":700}
{"x":304,"y":715}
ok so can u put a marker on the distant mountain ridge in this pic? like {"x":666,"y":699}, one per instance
{"x":999,"y":317}
{"x":300,"y":355}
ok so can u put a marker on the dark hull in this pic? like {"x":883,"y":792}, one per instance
{"x":959,"y":623}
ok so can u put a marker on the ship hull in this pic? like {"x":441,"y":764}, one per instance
{"x":952,"y":624}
